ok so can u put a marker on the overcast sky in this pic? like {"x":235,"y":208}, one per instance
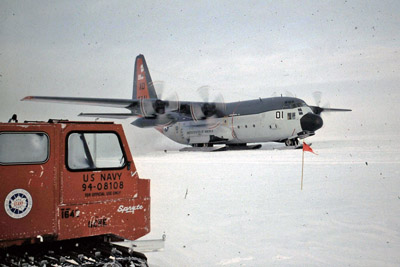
{"x":349,"y":50}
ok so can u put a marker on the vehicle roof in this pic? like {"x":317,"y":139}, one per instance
{"x":57,"y":121}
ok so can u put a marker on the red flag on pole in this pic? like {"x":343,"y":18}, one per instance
{"x":308,"y":148}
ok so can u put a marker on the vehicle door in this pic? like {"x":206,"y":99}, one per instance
{"x":96,"y":166}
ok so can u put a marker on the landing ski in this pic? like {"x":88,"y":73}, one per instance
{"x":221,"y":148}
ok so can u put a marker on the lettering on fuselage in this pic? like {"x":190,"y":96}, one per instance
{"x":200,"y":132}
{"x":279,"y":115}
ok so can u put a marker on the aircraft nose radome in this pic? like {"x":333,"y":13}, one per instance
{"x":311,"y":122}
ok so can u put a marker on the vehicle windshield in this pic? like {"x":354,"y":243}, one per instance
{"x":94,"y":151}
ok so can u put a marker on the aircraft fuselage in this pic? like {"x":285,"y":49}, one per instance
{"x":262,"y":120}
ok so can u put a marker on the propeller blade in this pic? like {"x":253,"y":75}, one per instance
{"x":289,"y":94}
{"x":204,"y":92}
{"x":196,"y":111}
{"x":220,"y":105}
{"x":159,"y":86}
{"x":317,"y":95}
{"x":173,"y":102}
{"x":146,"y":108}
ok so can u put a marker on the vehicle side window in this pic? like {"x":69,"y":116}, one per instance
{"x":94,"y":151}
{"x":23,"y":148}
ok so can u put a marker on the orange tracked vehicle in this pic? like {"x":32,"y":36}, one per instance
{"x":68,"y":191}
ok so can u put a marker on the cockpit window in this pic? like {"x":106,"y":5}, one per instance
{"x":293,"y":104}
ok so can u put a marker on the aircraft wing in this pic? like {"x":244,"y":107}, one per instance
{"x":336,"y":109}
{"x":317,"y":110}
{"x":138,"y":107}
{"x":104,"y":102}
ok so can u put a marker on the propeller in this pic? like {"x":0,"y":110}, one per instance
{"x":160,"y":109}
{"x":169,"y":103}
{"x":206,"y":109}
{"x":317,"y":95}
{"x":318,"y":109}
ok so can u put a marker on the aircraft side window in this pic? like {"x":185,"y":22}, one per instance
{"x":291,"y":115}
{"x":23,"y":148}
{"x":89,"y":151}
{"x":300,"y":111}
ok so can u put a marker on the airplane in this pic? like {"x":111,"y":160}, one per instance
{"x":205,"y":125}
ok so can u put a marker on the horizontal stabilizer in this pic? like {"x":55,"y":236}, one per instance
{"x":107,"y":115}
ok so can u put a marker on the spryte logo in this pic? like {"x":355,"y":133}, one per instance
{"x":129,"y":209}
{"x":18,"y":203}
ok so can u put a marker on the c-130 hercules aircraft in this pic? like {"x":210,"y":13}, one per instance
{"x":205,"y":124}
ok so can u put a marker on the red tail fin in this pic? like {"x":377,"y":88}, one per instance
{"x":143,"y":87}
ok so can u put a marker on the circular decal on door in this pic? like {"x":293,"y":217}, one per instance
{"x":18,"y":203}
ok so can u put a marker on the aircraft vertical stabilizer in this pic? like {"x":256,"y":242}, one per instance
{"x":143,"y":87}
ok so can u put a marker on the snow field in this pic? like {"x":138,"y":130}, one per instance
{"x":245,"y":208}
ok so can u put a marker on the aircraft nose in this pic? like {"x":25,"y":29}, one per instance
{"x":311,"y":122}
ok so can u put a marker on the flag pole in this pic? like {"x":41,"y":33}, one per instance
{"x":302,"y":170}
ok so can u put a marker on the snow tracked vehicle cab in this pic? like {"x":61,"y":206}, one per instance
{"x":69,"y":190}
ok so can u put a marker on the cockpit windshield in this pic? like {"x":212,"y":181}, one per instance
{"x":294,"y":103}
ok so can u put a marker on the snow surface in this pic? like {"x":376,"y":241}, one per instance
{"x":245,"y":208}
